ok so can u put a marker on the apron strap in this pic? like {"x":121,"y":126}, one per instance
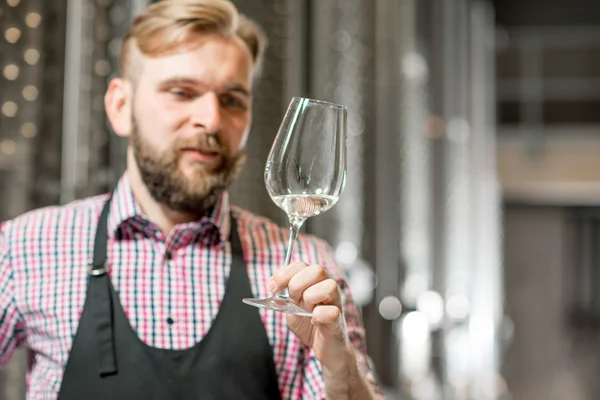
{"x":102,"y":307}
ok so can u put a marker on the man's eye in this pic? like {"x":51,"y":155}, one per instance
{"x":233,"y":102}
{"x":181,"y":93}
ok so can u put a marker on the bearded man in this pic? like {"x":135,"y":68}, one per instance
{"x":137,"y":294}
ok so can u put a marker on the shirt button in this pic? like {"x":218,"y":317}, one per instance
{"x":169,"y":256}
{"x":170,"y":321}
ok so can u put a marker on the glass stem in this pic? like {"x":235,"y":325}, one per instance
{"x":295,"y":225}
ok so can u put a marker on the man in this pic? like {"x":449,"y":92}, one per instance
{"x":137,"y":294}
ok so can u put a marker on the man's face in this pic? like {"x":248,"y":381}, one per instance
{"x":191,"y":116}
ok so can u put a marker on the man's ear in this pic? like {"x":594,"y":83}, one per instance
{"x":118,"y":105}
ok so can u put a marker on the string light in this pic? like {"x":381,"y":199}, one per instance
{"x":31,"y":56}
{"x":11,"y":72}
{"x":29,"y":130}
{"x":9,"y":109}
{"x":102,"y":68}
{"x":33,"y":20}
{"x":30,"y":93}
{"x":8,"y":146}
{"x":12,"y":35}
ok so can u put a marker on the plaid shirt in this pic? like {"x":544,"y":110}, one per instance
{"x":43,"y":280}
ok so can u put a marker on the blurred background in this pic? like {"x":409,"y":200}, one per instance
{"x":469,"y":227}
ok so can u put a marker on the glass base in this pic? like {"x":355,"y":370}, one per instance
{"x":278,"y":304}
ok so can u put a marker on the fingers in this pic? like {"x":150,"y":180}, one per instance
{"x":329,"y":320}
{"x":282,"y":277}
{"x":326,"y":315}
{"x":307,"y":278}
{"x":322,"y":293}
{"x":308,"y":285}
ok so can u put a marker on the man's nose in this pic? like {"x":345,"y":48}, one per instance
{"x":207,"y":113}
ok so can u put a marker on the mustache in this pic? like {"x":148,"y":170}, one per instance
{"x":201,"y":142}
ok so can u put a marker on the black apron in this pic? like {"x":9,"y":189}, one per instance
{"x":108,"y":360}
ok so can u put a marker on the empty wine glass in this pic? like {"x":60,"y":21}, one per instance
{"x":305,"y":174}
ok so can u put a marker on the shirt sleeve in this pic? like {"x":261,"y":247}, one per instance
{"x":12,"y":333}
{"x":313,"y":383}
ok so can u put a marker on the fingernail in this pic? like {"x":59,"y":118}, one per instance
{"x":271,"y":285}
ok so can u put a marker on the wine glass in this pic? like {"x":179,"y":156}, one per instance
{"x":305,"y":174}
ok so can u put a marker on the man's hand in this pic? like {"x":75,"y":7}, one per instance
{"x":311,"y":287}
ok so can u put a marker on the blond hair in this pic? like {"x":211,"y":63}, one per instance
{"x":168,"y":23}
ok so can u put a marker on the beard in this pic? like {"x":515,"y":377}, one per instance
{"x":169,"y":185}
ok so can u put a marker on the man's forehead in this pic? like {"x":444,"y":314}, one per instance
{"x":201,"y":60}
